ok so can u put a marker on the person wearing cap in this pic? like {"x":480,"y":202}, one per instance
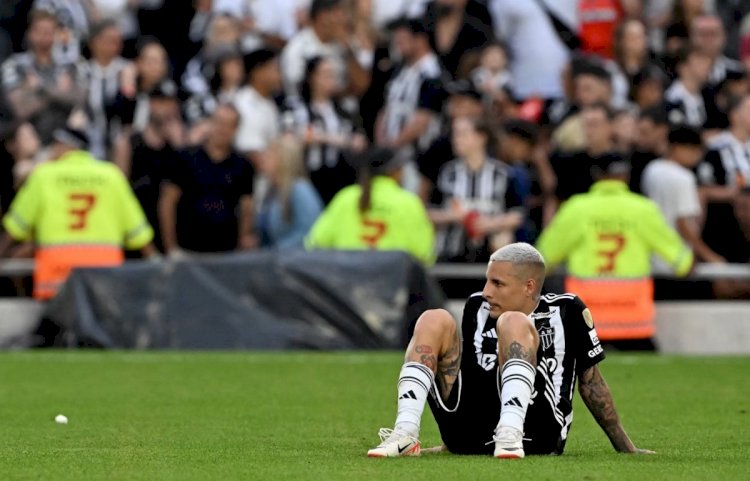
{"x":376,"y":214}
{"x":671,"y":183}
{"x":606,"y":238}
{"x":79,"y":212}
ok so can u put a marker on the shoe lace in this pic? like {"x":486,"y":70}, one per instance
{"x":388,"y":436}
{"x":506,"y":435}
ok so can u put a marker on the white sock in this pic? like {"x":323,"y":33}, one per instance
{"x":414,"y":384}
{"x":517,"y":383}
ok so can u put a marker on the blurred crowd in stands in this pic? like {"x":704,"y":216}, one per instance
{"x":238,"y":121}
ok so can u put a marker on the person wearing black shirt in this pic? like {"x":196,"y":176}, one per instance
{"x":206,"y":202}
{"x":573,"y":171}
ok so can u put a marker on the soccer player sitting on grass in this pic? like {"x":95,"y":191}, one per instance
{"x":520,"y":402}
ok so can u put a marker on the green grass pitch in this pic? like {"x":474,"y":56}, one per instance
{"x":281,"y":416}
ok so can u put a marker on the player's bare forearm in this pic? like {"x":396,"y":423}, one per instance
{"x":597,"y":397}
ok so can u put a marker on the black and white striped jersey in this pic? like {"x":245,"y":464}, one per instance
{"x":568,"y":347}
{"x":727,"y":162}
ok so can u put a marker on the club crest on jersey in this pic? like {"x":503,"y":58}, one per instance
{"x":546,"y":337}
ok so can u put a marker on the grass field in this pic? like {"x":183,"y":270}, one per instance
{"x":185,"y":416}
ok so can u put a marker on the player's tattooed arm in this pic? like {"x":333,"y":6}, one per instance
{"x":597,"y":397}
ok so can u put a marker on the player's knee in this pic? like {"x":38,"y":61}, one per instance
{"x":434,"y":322}
{"x":513,"y":324}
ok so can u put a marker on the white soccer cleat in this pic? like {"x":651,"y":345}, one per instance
{"x":508,"y":443}
{"x":394,"y":444}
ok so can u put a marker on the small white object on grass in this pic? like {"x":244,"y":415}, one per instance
{"x":61,"y":419}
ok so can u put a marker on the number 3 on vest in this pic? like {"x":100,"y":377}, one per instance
{"x":372,"y":232}
{"x":81,"y":206}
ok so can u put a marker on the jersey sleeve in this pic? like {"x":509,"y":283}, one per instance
{"x":25,"y":209}
{"x":582,"y":336}
{"x":665,"y":241}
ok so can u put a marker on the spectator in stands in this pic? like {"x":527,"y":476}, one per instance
{"x":327,"y":130}
{"x":107,"y":74}
{"x":671,"y":183}
{"x":377,"y":213}
{"x":19,"y":155}
{"x":537,"y":52}
{"x":75,"y":15}
{"x":80,"y":212}
{"x":624,"y":131}
{"x":33,"y":80}
{"x":206,"y":202}
{"x":574,"y":171}
{"x":259,"y":114}
{"x":125,"y":14}
{"x":606,"y":237}
{"x":492,"y":77}
{"x":291,"y":205}
{"x":409,"y":119}
{"x":651,"y":143}
{"x":275,"y":21}
{"x":152,"y":72}
{"x":328,"y":35}
{"x":477,"y":207}
{"x":455,"y":35}
{"x":649,"y":88}
{"x":228,"y":78}
{"x":736,"y":248}
{"x":223,"y":33}
{"x":708,"y":36}
{"x":531,"y":172}
{"x":632,"y":58}
{"x":725,"y":171}
{"x":463,"y":101}
{"x":145,"y":157}
{"x":685,"y":101}
{"x":592,"y":84}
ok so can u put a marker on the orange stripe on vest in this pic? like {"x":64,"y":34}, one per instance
{"x":54,"y":264}
{"x":622,"y":308}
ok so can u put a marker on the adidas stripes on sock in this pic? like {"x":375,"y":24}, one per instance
{"x":517,"y":383}
{"x":414,"y":384}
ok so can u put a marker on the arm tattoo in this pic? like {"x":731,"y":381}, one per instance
{"x":517,"y":351}
{"x":597,"y":397}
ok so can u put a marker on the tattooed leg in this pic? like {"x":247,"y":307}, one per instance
{"x":432,"y":350}
{"x":437,"y":344}
{"x":517,"y":344}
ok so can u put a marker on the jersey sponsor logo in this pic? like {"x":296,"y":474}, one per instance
{"x":594,"y":337}
{"x":546,"y":337}
{"x":487,"y":362}
{"x":596,"y":351}
{"x":541,"y":315}
{"x":588,"y":318}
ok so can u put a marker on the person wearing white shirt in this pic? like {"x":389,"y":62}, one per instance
{"x":538,"y":56}
{"x":328,"y":36}
{"x":670,"y":183}
{"x":259,"y":114}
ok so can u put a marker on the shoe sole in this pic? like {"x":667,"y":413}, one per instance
{"x":415,"y":451}
{"x":509,"y":456}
